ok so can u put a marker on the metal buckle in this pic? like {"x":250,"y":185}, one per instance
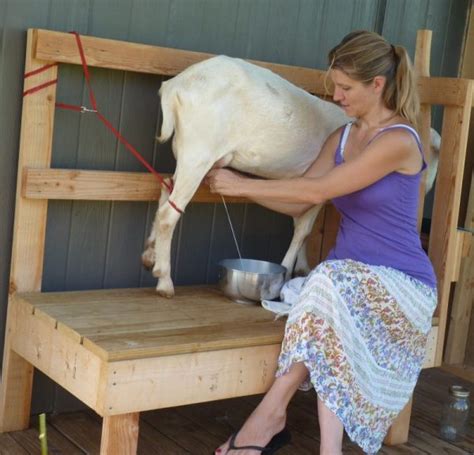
{"x":84,"y":109}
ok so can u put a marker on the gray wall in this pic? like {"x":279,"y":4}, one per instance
{"x":98,"y":244}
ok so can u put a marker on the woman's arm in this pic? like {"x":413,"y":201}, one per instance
{"x":391,"y":152}
{"x":323,"y":164}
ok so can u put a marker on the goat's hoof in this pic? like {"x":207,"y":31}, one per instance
{"x":165,"y":288}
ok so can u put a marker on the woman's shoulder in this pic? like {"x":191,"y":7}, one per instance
{"x":335,"y":136}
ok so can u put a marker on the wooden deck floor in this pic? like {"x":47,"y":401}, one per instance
{"x":198,"y":429}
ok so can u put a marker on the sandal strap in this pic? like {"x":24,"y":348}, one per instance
{"x":232,"y":445}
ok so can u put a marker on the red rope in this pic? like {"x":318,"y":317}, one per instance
{"x":70,"y":106}
{"x":39,"y":87}
{"x":95,"y":110}
{"x":39,"y":70}
{"x":85,"y":69}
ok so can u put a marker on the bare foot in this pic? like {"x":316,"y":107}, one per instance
{"x":258,"y":430}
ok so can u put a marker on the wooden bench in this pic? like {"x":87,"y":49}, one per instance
{"x":124,"y":351}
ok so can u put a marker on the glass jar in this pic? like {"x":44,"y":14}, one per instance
{"x":455,"y":416}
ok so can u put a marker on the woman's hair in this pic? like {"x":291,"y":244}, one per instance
{"x":362,"y":55}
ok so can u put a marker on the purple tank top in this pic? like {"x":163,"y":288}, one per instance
{"x":379,"y":222}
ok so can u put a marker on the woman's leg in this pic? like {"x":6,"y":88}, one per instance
{"x":331,"y":429}
{"x":269,"y":417}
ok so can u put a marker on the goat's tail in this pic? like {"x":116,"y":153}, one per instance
{"x":167,"y":109}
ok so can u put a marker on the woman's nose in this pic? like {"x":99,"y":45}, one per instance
{"x":337,"y":96}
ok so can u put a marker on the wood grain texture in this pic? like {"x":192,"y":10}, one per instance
{"x":463,"y":299}
{"x":105,"y":53}
{"x":398,"y":432}
{"x":75,"y":184}
{"x":442,"y":244}
{"x":124,"y":324}
{"x":120,"y":434}
{"x":422,"y":67}
{"x":29,"y":233}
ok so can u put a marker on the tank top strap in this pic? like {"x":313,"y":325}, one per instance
{"x":408,"y":128}
{"x":342,"y":143}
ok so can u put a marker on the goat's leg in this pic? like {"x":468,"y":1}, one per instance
{"x":148,"y":256}
{"x":303,"y":225}
{"x":302,"y":267}
{"x":187,"y":179}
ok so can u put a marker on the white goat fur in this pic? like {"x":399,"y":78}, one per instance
{"x":227,"y":112}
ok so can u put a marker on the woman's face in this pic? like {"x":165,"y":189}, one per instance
{"x":353,"y":96}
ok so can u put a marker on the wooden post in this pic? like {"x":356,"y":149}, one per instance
{"x":460,"y":316}
{"x":444,"y":234}
{"x":29,"y":233}
{"x":120,"y":434}
{"x":422,"y":67}
{"x":398,"y":433}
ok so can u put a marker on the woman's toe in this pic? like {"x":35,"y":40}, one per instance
{"x":221,"y":450}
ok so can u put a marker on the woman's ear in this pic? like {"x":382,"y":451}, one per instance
{"x":379,"y":83}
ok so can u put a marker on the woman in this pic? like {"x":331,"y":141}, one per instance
{"x":359,"y":328}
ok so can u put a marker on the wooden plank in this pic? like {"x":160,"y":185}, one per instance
{"x":465,"y":372}
{"x":28,"y":233}
{"x":57,"y":443}
{"x":462,"y":249}
{"x":193,"y":437}
{"x":105,"y":53}
{"x":446,"y":204}
{"x":463,"y":299}
{"x":183,"y":340}
{"x":430,"y":354}
{"x":17,"y":381}
{"x":56,"y":353}
{"x":73,"y":184}
{"x":35,"y":150}
{"x":136,"y":323}
{"x":422,"y":67}
{"x":81,"y":429}
{"x":160,"y":382}
{"x":120,"y":435}
{"x":8,"y":446}
{"x":398,"y":432}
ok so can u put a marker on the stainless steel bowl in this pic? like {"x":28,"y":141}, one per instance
{"x":250,"y":280}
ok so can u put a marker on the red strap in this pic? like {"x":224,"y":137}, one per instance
{"x":39,"y":70}
{"x":85,"y":69}
{"x":69,"y":106}
{"x":131,"y":149}
{"x":39,"y":87}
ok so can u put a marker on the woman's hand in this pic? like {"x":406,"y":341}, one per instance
{"x":224,"y":181}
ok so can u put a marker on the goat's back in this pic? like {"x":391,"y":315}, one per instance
{"x":246,"y":116}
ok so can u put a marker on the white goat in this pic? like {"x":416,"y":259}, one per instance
{"x":228,"y":112}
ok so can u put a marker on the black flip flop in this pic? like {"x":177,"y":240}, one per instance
{"x":276,"y":443}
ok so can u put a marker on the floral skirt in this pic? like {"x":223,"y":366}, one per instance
{"x":361,"y":331}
